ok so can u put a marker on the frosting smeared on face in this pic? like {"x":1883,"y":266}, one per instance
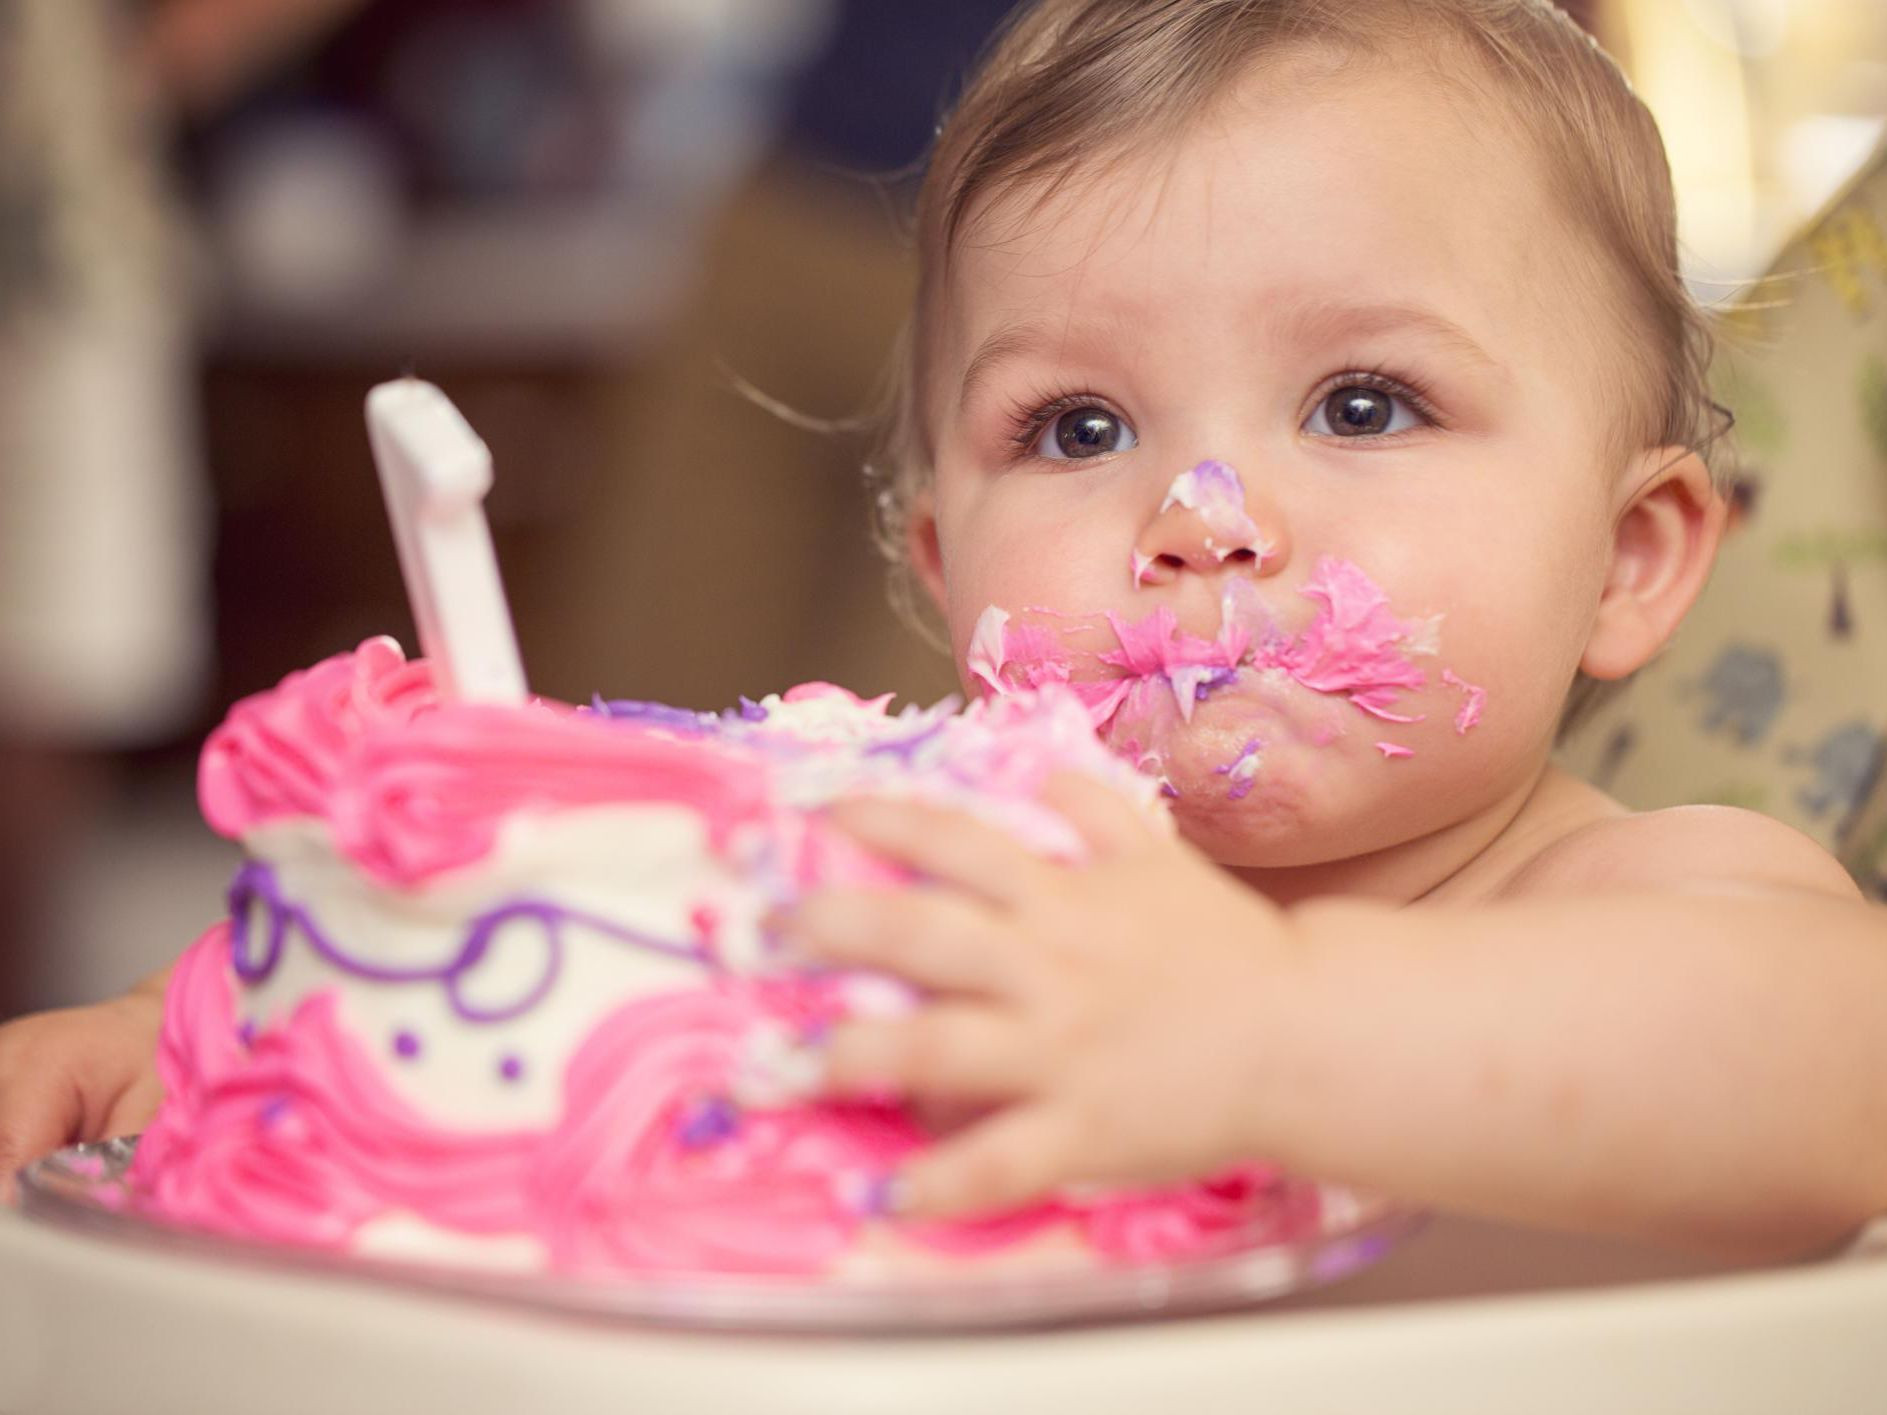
{"x":1474,"y":699}
{"x":1353,"y":647}
{"x":1214,"y":491}
{"x":1243,"y":770}
{"x":1141,"y":678}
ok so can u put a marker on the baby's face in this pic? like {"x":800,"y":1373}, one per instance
{"x":1355,"y":297}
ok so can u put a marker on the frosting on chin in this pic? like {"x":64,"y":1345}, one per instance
{"x":499,"y":975}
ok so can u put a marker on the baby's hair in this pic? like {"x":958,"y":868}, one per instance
{"x":1069,"y":85}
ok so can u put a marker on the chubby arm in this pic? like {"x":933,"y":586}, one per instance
{"x":1693,"y":1053}
{"x":1673,"y":1027}
{"x":1704,"y":1069}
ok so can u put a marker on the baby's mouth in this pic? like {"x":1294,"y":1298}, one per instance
{"x":1353,"y":647}
{"x":1143,"y":679}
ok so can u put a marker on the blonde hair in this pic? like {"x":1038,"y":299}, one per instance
{"x":1069,"y":83}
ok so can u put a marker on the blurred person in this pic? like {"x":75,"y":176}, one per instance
{"x":103,"y":623}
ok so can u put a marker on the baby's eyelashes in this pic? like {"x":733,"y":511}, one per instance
{"x":1360,"y":405}
{"x":1085,"y":432}
{"x":1073,"y":428}
{"x":1363,"y":406}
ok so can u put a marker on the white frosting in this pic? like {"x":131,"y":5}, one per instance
{"x":641,"y":867}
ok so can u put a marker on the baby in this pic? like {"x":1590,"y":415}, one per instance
{"x":1309,"y":383}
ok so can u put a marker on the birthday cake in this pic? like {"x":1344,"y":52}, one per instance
{"x":495,"y":986}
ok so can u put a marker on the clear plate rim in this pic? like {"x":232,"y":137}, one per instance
{"x":54,"y":1193}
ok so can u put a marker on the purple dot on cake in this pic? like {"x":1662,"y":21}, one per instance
{"x":511,"y":1068}
{"x":708,"y":1121}
{"x":405,"y":1045}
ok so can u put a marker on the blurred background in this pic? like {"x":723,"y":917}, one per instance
{"x":221,"y":221}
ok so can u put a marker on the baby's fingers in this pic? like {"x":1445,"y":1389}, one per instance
{"x":37,"y":1116}
{"x":133,"y":1110}
{"x":946,"y":845}
{"x":1111,"y":824}
{"x":939,"y":941}
{"x":66,"y":1075}
{"x":1017,"y":1155}
{"x":945,"y":1052}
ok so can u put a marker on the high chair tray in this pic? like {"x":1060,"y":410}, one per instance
{"x":1464,"y":1318}
{"x":83,"y":1188}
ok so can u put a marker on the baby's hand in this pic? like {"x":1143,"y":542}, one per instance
{"x":1109,"y":1017}
{"x":82,"y":1073}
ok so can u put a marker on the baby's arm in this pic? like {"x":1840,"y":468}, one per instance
{"x":81,"y":1073}
{"x":1677,"y":1030}
{"x":1703,"y":1066}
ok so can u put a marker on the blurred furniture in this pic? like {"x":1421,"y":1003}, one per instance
{"x":556,"y":213}
{"x":1773,"y":694}
{"x":661,"y":534}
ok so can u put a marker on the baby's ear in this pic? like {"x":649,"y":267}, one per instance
{"x":1664,"y":541}
{"x":921,"y":547}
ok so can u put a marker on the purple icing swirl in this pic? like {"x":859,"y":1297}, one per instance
{"x":257,"y":883}
{"x":683,"y":720}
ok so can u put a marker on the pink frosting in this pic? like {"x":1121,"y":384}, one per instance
{"x":1353,"y":647}
{"x":619,"y":1190}
{"x":410,"y":786}
{"x":1473,"y":700}
{"x":279,"y":753}
{"x":813,"y":692}
{"x":294,"y":1137}
{"x":1253,"y":1203}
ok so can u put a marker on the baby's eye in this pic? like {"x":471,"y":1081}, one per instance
{"x":1084,"y":432}
{"x":1363,"y":410}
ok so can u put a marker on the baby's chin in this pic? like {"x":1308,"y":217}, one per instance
{"x":1254,"y":775}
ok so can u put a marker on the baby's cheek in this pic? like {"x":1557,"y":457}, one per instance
{"x":1522,"y":663}
{"x":1512,"y":624}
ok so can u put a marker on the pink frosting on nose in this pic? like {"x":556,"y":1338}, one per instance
{"x":1215,"y":493}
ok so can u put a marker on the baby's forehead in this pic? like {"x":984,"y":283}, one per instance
{"x":1377,"y":114}
{"x":1285,"y":196}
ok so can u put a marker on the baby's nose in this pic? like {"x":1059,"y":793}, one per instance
{"x":1206,"y":520}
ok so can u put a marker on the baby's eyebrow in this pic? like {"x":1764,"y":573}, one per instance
{"x":1028,"y":336}
{"x":1309,"y":321}
{"x":1315,"y":319}
{"x":1005,"y":343}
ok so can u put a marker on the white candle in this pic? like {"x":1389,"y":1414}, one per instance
{"x":436,"y":472}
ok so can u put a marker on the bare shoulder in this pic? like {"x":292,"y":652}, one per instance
{"x":1684,"y":846}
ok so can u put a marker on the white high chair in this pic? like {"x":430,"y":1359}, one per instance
{"x":1465,"y":1319}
